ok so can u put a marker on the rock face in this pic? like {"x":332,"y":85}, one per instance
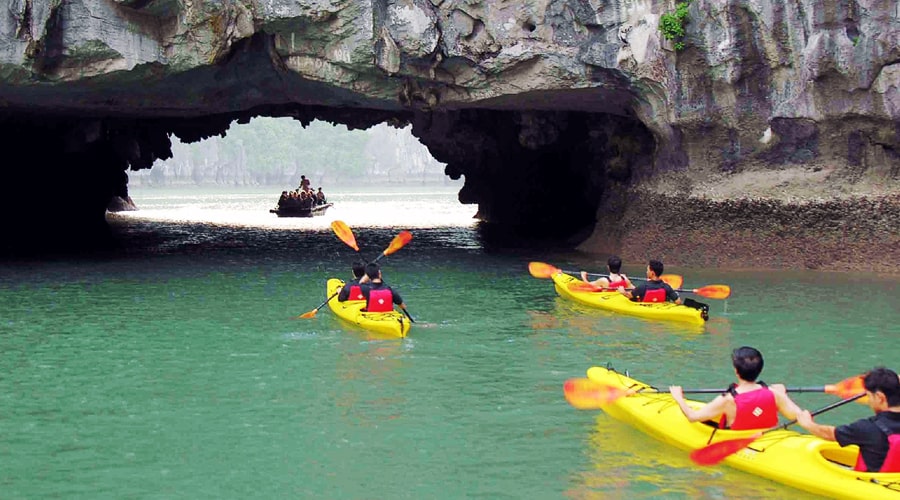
{"x":566,"y":117}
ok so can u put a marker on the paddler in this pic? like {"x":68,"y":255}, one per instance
{"x":351,"y":290}
{"x":878,"y":437}
{"x":615,"y":278}
{"x":654,"y":289}
{"x":747,"y":404}
{"x":379,"y":296}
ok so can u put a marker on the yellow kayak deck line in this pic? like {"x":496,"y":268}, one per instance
{"x":616,"y":302}
{"x":392,"y":324}
{"x":799,"y":460}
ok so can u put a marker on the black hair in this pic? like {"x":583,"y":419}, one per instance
{"x":656,"y":266}
{"x":359,"y":269}
{"x":886,"y":381}
{"x":372,"y":270}
{"x":748,"y":362}
{"x":614,"y":264}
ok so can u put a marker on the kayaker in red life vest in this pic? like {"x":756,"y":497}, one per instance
{"x":379,"y":296}
{"x":615,"y":280}
{"x":748,"y":404}
{"x":878,"y":437}
{"x":351,"y":290}
{"x":654,"y":290}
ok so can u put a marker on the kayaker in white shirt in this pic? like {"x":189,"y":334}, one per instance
{"x":616,"y":277}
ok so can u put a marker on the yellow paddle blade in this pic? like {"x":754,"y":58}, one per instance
{"x":585,"y":394}
{"x":542,"y":269}
{"x":343,"y":231}
{"x":398,"y":242}
{"x":713,"y":291}
{"x":673,"y":280}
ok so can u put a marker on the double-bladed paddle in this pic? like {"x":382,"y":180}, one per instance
{"x":586,"y":394}
{"x":343,"y":231}
{"x":714,"y":453}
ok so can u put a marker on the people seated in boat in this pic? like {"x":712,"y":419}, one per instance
{"x":654,"y":289}
{"x":878,"y":437}
{"x":320,"y":197}
{"x":351,"y":289}
{"x":747,"y":404}
{"x":615,"y":278}
{"x":379,"y":296}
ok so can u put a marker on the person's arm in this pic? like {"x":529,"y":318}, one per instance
{"x":628,"y":281}
{"x":397,"y":299}
{"x":786,"y":405}
{"x":805,"y":420}
{"x":710,"y":411}
{"x":344,"y":294}
{"x":671,"y":294}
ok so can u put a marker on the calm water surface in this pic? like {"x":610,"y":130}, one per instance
{"x":176,"y":369}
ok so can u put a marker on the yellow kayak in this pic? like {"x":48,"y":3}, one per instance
{"x":799,"y":460}
{"x":394,"y":323}
{"x":616,"y":302}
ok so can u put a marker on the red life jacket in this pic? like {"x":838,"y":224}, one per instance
{"x":892,"y":460}
{"x":380,"y":300}
{"x":657,"y":295}
{"x":755,"y":409}
{"x":613,"y":285}
{"x":355,"y":293}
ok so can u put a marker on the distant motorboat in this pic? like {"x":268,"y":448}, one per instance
{"x":296,"y":211}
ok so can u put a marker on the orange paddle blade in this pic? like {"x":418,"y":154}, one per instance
{"x":673,"y":280}
{"x":542,"y":269}
{"x":848,"y":387}
{"x":398,"y":242}
{"x":307,"y":315}
{"x":343,"y":231}
{"x":585,"y":394}
{"x":713,"y":291}
{"x":714,"y":453}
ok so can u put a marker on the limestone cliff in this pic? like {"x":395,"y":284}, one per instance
{"x":566,"y":117}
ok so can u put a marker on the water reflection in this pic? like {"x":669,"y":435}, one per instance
{"x":629,"y":464}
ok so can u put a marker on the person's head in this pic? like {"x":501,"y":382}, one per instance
{"x":373,"y":271}
{"x":359,"y":269}
{"x":303,"y":177}
{"x":656,"y":267}
{"x":748,"y":363}
{"x":883,"y":387}
{"x":614,"y":263}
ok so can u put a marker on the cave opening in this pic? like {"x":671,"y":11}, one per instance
{"x":535,"y":176}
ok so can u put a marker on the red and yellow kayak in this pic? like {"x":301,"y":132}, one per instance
{"x":799,"y":460}
{"x":567,"y":287}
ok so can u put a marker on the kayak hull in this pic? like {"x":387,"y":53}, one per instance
{"x":799,"y":460}
{"x":618,"y":303}
{"x":392,"y":324}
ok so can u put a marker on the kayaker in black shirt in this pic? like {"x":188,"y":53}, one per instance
{"x":878,"y":437}
{"x":379,"y":296}
{"x":654,"y":289}
{"x":351,"y":290}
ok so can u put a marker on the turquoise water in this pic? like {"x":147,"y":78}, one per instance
{"x":176,"y":368}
